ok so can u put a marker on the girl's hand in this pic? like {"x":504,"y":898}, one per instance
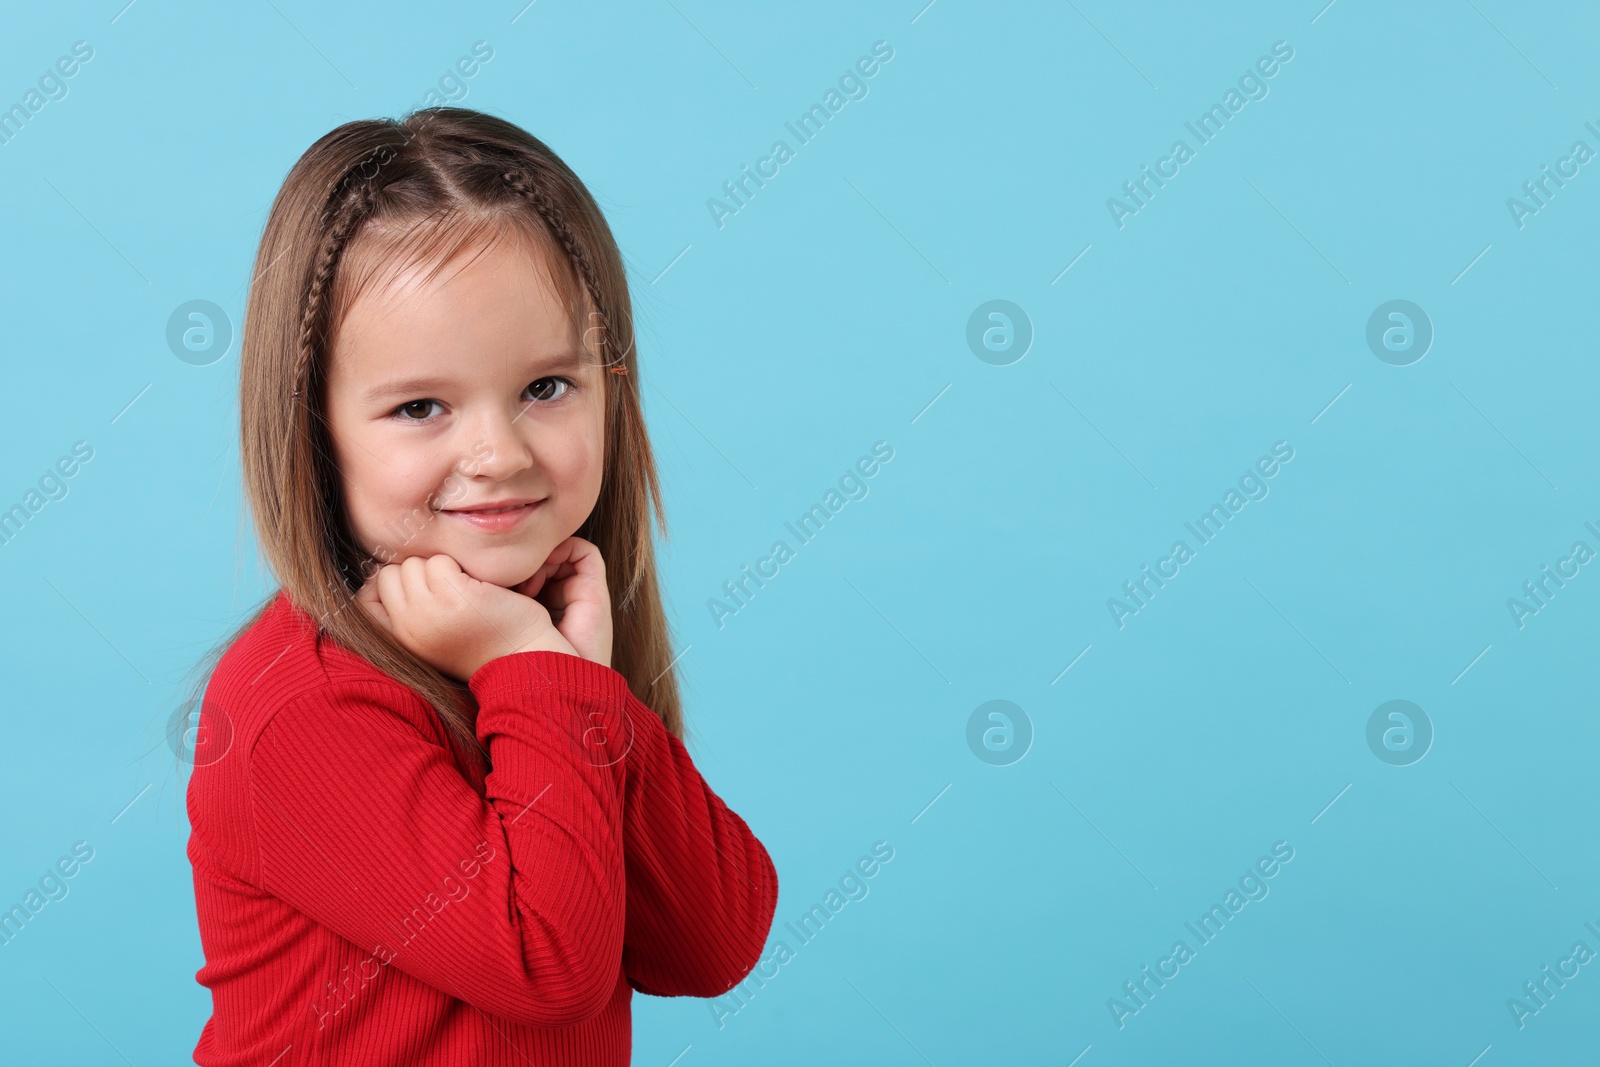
{"x":572,"y":585}
{"x":454,"y":622}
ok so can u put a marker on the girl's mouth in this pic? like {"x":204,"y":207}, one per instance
{"x":496,"y":521}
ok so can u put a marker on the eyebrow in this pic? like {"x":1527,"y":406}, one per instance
{"x":566,"y":361}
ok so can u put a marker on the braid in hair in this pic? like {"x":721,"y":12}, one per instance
{"x":343,"y":215}
{"x":524,"y":186}
{"x":349,"y":205}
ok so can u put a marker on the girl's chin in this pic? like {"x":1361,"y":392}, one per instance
{"x":504,"y":572}
{"x":507,"y":566}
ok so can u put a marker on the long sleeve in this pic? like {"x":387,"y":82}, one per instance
{"x":701,"y":888}
{"x":514,"y":901}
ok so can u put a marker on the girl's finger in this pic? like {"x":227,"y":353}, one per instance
{"x":443,"y":575}
{"x":367,"y":597}
{"x":537,"y":581}
{"x":575,"y":556}
{"x":414,"y":579}
{"x":568,"y":557}
{"x":563,"y":551}
{"x":586,"y":560}
{"x":555,"y":596}
{"x":588,"y":567}
{"x":391,"y":590}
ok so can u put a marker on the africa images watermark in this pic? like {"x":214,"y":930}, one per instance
{"x":1539,"y":192}
{"x":1252,"y":485}
{"x":52,"y":486}
{"x":52,"y":886}
{"x":852,"y":486}
{"x":334,"y":997}
{"x":1252,"y":886}
{"x":452,"y":87}
{"x":1537,"y":993}
{"x":414,"y":521}
{"x":52,"y":86}
{"x":852,"y":886}
{"x":852,"y":85}
{"x":1537,"y":592}
{"x":1252,"y":85}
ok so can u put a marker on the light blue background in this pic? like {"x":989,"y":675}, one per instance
{"x":826,"y":315}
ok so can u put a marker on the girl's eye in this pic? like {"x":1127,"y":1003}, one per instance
{"x":409,"y":407}
{"x":543,"y":390}
{"x":541,"y":394}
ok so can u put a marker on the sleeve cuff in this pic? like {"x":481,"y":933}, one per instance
{"x":545,"y":670}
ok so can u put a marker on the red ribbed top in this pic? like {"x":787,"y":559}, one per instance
{"x":365,"y":898}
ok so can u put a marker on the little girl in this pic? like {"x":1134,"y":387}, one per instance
{"x":441,"y":808}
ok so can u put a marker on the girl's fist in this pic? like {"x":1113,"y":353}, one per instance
{"x":451,"y":620}
{"x":572,"y":585}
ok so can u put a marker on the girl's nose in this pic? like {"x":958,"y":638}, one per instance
{"x":500,"y":447}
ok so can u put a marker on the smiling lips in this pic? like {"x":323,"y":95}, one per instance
{"x":494,"y":518}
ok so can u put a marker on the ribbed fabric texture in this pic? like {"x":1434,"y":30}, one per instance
{"x":363,"y":898}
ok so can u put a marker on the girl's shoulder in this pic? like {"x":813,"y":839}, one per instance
{"x":285,"y":659}
{"x":281,"y":661}
{"x":283,"y":655}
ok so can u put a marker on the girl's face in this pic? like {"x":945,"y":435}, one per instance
{"x":459,"y":392}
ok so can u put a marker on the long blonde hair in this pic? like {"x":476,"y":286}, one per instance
{"x":422,"y":188}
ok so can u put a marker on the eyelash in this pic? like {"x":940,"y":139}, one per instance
{"x":571,"y":386}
